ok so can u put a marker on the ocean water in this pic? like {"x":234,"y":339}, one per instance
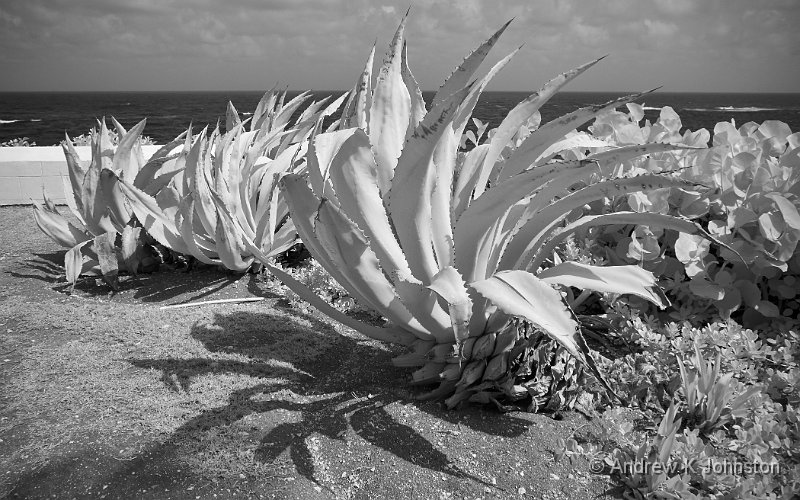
{"x":44,"y":117}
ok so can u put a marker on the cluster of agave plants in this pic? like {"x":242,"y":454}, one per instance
{"x":452,"y":247}
{"x":461,"y":238}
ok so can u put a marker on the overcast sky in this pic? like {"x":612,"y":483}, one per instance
{"x":683,"y":45}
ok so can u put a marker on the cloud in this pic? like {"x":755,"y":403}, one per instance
{"x":7,"y":18}
{"x":588,"y":34}
{"x":660,"y":29}
{"x":240,"y":44}
{"x":676,"y":7}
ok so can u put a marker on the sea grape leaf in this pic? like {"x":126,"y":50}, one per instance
{"x":644,"y":244}
{"x":788,"y":210}
{"x":653,"y":201}
{"x":692,"y":250}
{"x":771,"y":226}
{"x":767,"y":309}
{"x":701,"y":286}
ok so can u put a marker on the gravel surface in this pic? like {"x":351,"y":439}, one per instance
{"x":111,"y":397}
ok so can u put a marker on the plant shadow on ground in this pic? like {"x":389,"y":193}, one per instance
{"x":160,"y":286}
{"x":47,"y":267}
{"x":332,"y":392}
{"x":339,"y":386}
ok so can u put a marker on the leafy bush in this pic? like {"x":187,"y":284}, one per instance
{"x":86,"y":139}
{"x":80,"y":140}
{"x":746,"y":195}
{"x":18,"y":142}
{"x":754,"y":386}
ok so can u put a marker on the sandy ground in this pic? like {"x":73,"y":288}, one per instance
{"x":112,"y":397}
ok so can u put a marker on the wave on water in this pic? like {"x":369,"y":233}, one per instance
{"x":247,"y":114}
{"x":651,"y":108}
{"x":17,"y":121}
{"x":732,"y":109}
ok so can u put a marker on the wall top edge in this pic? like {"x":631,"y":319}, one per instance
{"x":54,"y":153}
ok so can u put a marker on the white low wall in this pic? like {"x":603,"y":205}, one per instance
{"x":25,"y":171}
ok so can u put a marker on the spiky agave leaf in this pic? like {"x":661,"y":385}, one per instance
{"x":522,"y":111}
{"x":418,"y":108}
{"x":538,"y":141}
{"x":390,"y":111}
{"x":450,"y":286}
{"x":614,"y":279}
{"x":481,"y":230}
{"x":545,"y":216}
{"x":410,"y":198}
{"x":392,"y":334}
{"x":54,"y":225}
{"x":462,"y":75}
{"x":346,"y":248}
{"x":129,"y":248}
{"x":103,"y":246}
{"x":624,"y":217}
{"x":355,"y":189}
{"x":163,"y":166}
{"x":356,"y":109}
{"x":74,"y":262}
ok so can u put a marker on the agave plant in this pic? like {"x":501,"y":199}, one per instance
{"x":103,"y":238}
{"x":237,"y":170}
{"x":445,"y":244}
